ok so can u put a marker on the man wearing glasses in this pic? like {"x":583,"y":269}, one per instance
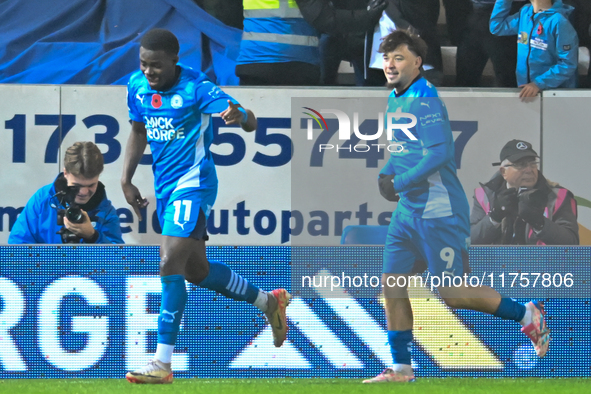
{"x":519,"y":206}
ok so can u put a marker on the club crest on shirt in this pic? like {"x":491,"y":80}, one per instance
{"x":176,"y":102}
{"x":522,"y":37}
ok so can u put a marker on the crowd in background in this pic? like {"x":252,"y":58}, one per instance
{"x":348,"y":30}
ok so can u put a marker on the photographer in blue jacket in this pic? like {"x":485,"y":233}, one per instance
{"x":72,"y":209}
{"x":547,"y":44}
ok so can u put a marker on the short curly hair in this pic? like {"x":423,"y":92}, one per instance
{"x":160,"y":40}
{"x":400,"y":37}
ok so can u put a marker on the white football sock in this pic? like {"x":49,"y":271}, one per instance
{"x":262,"y":301}
{"x":527,"y":317}
{"x":404,"y":369}
{"x":164,"y":353}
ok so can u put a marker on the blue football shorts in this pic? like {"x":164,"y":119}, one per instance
{"x":184,"y":214}
{"x":413,"y":244}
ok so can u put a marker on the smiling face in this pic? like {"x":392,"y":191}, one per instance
{"x":159,"y":68}
{"x":86,"y":187}
{"x":401,"y":67}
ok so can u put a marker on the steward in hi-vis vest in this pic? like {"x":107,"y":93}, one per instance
{"x":278,"y":46}
{"x":280,"y":43}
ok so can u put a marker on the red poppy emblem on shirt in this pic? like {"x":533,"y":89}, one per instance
{"x":156,"y":101}
{"x":540,"y":29}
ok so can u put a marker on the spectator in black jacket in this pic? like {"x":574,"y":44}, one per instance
{"x":478,"y":44}
{"x":419,"y":16}
{"x":348,"y":45}
{"x":456,"y":18}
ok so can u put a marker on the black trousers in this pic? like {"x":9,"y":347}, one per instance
{"x":423,"y":15}
{"x":478,"y":44}
{"x":457,"y":13}
{"x":333,"y":49}
{"x":278,"y":74}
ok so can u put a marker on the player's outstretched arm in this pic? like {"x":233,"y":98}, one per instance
{"x":236,"y":114}
{"x":136,"y":144}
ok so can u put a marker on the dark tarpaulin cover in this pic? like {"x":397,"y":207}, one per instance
{"x":97,"y":41}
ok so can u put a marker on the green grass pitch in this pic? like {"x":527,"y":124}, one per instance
{"x":294,"y":386}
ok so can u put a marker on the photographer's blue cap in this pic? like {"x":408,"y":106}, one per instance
{"x":515,"y":150}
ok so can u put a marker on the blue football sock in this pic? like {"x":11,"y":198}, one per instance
{"x":227,"y":282}
{"x":400,"y":342}
{"x":174,"y":298}
{"x":510,"y":309}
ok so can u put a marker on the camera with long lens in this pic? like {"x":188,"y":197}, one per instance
{"x":67,"y":196}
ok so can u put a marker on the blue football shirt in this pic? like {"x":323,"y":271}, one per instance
{"x":428,"y":184}
{"x":179,"y":128}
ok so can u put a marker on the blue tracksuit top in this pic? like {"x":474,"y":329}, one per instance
{"x":548,"y":45}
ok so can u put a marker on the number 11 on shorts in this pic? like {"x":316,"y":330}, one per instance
{"x":177,"y":211}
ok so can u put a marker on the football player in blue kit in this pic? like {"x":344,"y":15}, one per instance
{"x":431,"y":222}
{"x":170,"y":106}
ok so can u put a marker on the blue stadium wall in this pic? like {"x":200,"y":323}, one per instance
{"x":90,"y":312}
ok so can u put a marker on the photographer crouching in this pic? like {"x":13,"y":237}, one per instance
{"x":72,"y":209}
{"x":519,"y":206}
